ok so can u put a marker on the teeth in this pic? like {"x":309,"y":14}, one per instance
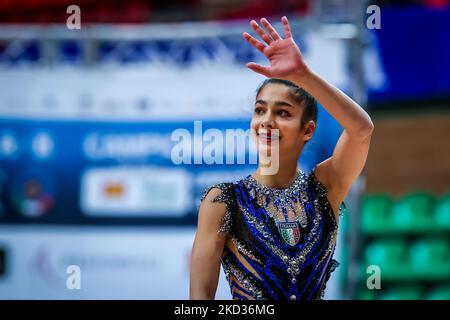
{"x":267,"y":133}
{"x":268,"y":136}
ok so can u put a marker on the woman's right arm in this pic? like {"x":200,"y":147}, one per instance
{"x":207,"y":249}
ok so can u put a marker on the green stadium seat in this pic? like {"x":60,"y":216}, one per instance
{"x":440,"y":293}
{"x":430,"y":258}
{"x":402,"y":293}
{"x":442,"y":212}
{"x":409,"y":240}
{"x":375,"y":214}
{"x":391,"y":256}
{"x":366,"y":294}
{"x":413,"y":212}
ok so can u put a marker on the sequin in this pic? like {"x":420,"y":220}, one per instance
{"x":278,"y":270}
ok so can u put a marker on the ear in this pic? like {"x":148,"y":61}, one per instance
{"x":310,"y":127}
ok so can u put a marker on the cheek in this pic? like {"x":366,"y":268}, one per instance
{"x":254,"y":124}
{"x":290,"y":127}
{"x":291,"y":132}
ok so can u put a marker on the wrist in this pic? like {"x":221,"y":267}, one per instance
{"x":302,"y":76}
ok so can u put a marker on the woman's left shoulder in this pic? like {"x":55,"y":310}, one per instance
{"x":328,"y":190}
{"x":322,"y":173}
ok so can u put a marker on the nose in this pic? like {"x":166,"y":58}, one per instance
{"x":267,"y":122}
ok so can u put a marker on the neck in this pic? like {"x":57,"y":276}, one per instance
{"x":282,"y":179}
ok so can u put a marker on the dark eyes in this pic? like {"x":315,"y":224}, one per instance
{"x":283,"y":113}
{"x":259,"y":110}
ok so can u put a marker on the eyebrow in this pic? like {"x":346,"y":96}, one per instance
{"x":276,"y":103}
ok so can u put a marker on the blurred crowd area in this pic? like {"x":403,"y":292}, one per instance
{"x":144,"y":11}
{"x":86,"y":176}
{"x":153,"y":11}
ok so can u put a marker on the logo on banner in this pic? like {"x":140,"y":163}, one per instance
{"x":33,"y":194}
{"x":113,"y":190}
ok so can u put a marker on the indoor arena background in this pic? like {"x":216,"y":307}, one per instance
{"x":87,"y":116}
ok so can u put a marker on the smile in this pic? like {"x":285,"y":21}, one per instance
{"x":266,"y":136}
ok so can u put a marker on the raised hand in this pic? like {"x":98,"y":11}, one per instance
{"x":286,"y":60}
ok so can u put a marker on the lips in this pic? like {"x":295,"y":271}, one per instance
{"x":267,"y":137}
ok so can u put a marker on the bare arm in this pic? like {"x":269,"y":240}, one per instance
{"x":350,"y":153}
{"x":286,"y":62}
{"x":207,"y":249}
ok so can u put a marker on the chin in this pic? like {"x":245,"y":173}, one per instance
{"x":266,"y":149}
{"x":265,"y":152}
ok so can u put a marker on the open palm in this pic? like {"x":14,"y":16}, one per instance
{"x":285,"y":57}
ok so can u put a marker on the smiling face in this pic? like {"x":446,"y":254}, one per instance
{"x":277,"y":115}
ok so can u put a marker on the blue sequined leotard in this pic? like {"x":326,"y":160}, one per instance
{"x":280,"y":242}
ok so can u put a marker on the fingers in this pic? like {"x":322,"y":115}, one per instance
{"x":273,"y":33}
{"x":286,"y":27}
{"x":265,"y":71}
{"x":255,"y":43}
{"x":267,"y":39}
